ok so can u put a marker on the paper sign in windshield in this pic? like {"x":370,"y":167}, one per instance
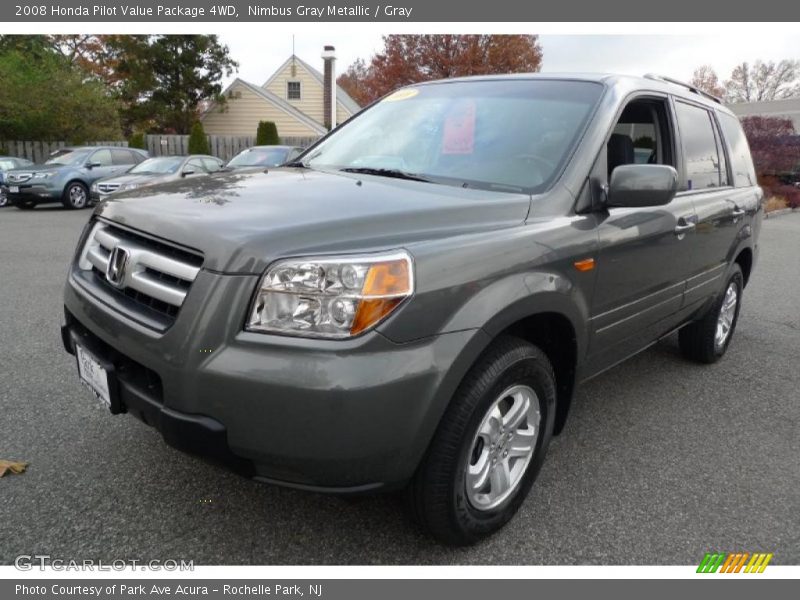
{"x":459,"y":129}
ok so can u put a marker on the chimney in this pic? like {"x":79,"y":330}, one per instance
{"x":329,"y":83}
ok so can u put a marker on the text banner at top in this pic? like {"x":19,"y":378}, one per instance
{"x":441,"y":11}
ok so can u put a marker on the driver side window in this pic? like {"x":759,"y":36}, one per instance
{"x":101,"y":158}
{"x":641,"y":136}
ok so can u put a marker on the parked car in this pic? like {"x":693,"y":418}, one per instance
{"x":6,"y":164}
{"x":155,"y":170}
{"x":413,"y":304}
{"x":263,"y":156}
{"x":68,"y":174}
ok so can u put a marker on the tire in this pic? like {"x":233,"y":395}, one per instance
{"x":706,"y":340}
{"x":438,"y":496}
{"x":76,"y":196}
{"x":3,"y":199}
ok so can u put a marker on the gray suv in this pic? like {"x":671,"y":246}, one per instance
{"x":412,"y":303}
{"x":67,"y":175}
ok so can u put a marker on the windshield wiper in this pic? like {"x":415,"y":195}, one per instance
{"x":396,"y":173}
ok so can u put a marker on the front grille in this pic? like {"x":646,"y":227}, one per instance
{"x":149,"y":278}
{"x":19,"y":177}
{"x":107,"y":188}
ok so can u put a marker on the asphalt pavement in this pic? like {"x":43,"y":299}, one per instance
{"x":661,"y":461}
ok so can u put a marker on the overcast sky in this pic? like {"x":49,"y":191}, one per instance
{"x":672,"y":55}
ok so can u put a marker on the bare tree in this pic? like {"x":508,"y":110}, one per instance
{"x":705,"y":78}
{"x":764,"y":81}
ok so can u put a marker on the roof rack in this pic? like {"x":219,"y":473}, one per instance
{"x":688,"y":86}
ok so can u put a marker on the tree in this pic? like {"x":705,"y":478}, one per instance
{"x":267,"y":134}
{"x":407,"y":59}
{"x":137,"y":140}
{"x":705,"y":79}
{"x":775,"y":148}
{"x":163,"y":81}
{"x":43,"y":97}
{"x":198,"y":142}
{"x":764,"y":81}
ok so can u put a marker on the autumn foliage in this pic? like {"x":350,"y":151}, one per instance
{"x":407,"y":59}
{"x":775,"y":147}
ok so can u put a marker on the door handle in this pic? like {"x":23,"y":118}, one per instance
{"x":682,"y":228}
{"x":737,"y":212}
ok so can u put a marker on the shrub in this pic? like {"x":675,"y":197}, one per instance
{"x":267,"y":134}
{"x":137,"y":141}
{"x":198,"y":143}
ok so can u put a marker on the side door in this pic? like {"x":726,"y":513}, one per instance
{"x":102,"y":165}
{"x":720,"y":207}
{"x":642,"y":251}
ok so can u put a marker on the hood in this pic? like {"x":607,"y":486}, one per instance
{"x":243,"y":221}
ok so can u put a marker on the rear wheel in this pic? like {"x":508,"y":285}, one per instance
{"x":489,"y":447}
{"x":76,"y":196}
{"x":3,"y":199}
{"x":707,"y":340}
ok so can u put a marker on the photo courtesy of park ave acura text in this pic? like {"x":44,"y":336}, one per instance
{"x":274,"y":293}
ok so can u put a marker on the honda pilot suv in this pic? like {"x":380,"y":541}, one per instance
{"x":413,"y":301}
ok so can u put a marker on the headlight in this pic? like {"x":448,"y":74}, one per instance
{"x":130,"y":186}
{"x":331,"y":297}
{"x":41,"y":176}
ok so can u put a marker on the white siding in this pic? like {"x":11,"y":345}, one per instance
{"x":243,"y":112}
{"x":311,"y":98}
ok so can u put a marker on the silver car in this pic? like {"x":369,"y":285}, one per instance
{"x":155,"y":170}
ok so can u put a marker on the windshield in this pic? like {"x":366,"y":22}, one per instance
{"x":68,"y":157}
{"x":259,"y":157}
{"x":512,"y":135}
{"x":158,"y":166}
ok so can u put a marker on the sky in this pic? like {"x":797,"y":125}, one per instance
{"x":672,"y":55}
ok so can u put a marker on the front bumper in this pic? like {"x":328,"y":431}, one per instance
{"x":34,"y":193}
{"x":341,"y":416}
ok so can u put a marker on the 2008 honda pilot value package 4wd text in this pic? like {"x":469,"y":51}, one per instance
{"x":411,"y":303}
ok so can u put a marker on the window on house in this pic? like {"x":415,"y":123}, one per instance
{"x":293,"y":90}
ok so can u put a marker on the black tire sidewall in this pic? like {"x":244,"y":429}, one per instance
{"x":524,"y":372}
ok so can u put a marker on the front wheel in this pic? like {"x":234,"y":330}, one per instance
{"x":76,"y":196}
{"x":707,"y":340}
{"x":3,"y":199}
{"x":489,"y":447}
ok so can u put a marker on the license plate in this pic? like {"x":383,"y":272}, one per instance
{"x":93,"y":375}
{"x":14,"y":189}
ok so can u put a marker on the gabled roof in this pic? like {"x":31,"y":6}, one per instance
{"x":279,"y":103}
{"x":342,"y":97}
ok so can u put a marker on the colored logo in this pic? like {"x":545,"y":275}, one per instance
{"x":734,"y":562}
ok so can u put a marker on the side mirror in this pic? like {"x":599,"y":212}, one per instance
{"x":92,"y":165}
{"x":642,"y":185}
{"x":187,"y":172}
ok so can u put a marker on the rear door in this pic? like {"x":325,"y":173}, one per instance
{"x":643,"y":251}
{"x":720,"y":208}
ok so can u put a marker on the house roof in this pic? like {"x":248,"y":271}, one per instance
{"x":342,"y":97}
{"x":280,"y":103}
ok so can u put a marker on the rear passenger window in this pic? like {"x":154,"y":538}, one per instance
{"x":744,"y":174}
{"x":700,"y":153}
{"x":122,"y":157}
